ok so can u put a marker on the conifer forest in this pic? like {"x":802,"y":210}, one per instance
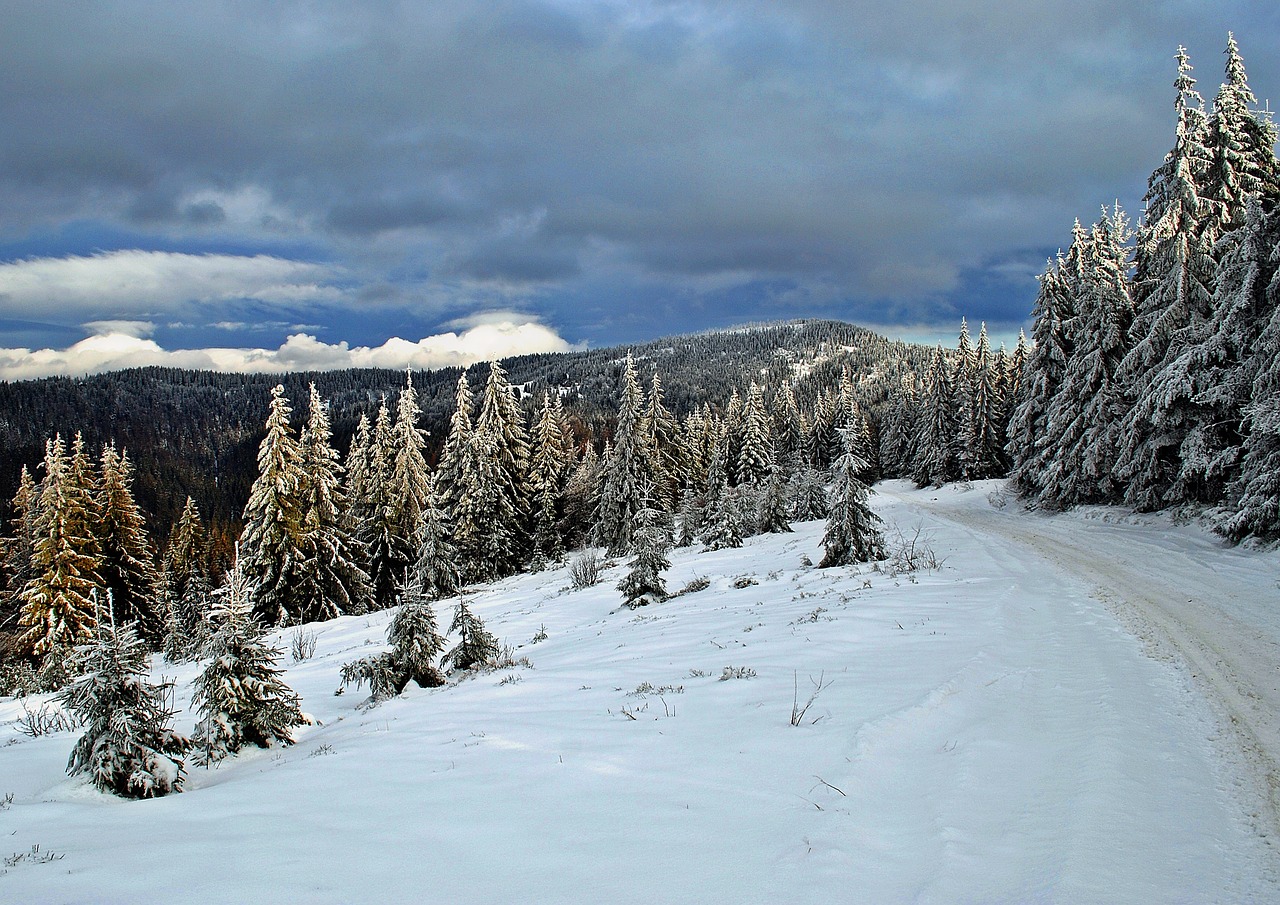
{"x":164,"y":522}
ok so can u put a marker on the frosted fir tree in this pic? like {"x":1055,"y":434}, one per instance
{"x":822,"y":436}
{"x":436,"y":568}
{"x":1046,"y":365}
{"x":936,"y":461}
{"x":502,"y":425}
{"x":666,"y":446}
{"x":410,"y":478}
{"x":690,"y":519}
{"x":984,"y":437}
{"x":416,"y":646}
{"x":625,"y":472}
{"x":240,"y":696}
{"x":57,"y":602}
{"x":128,"y":747}
{"x":1172,"y":306}
{"x":485,"y":515}
{"x":19,"y":547}
{"x":127,"y":566}
{"x":897,"y":429}
{"x":722,"y":516}
{"x":755,"y":452}
{"x":1085,"y":414}
{"x":1254,"y":493}
{"x":475,"y":646}
{"x":387,"y":553}
{"x":963,"y":376}
{"x":270,"y":545}
{"x":1241,"y":142}
{"x":356,"y":481}
{"x":331,"y":581}
{"x":643,"y":583}
{"x":449,"y":467}
{"x":552,"y":459}
{"x":581,"y":497}
{"x":1226,"y":366}
{"x":774,"y":513}
{"x":853,"y":533}
{"x":788,"y":434}
{"x":185,"y":580}
{"x":809,"y":495}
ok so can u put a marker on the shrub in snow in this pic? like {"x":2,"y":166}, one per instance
{"x":240,"y":696}
{"x":585,"y":570}
{"x":127,"y":747}
{"x":476,"y":646}
{"x":416,"y":643}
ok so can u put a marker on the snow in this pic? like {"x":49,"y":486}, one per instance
{"x":993,"y":731}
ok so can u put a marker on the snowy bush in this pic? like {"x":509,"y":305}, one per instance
{"x":302,"y":645}
{"x":476,"y":646}
{"x":584,"y":572}
{"x":46,"y":720}
{"x":737,"y":672}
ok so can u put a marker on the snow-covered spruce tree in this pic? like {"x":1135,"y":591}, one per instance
{"x":416,"y":645}
{"x":270,"y":546}
{"x":722,"y":516}
{"x":485,"y":514}
{"x":788,"y":435}
{"x":475,"y":646}
{"x":410,"y":478}
{"x":1172,"y":305}
{"x":330,"y":579}
{"x":1254,"y":494}
{"x":936,"y":461}
{"x":128,"y":747}
{"x":809,"y":495}
{"x":1085,"y":414}
{"x":822,"y":436}
{"x":1042,"y":377}
{"x":625,"y":470}
{"x":666,"y":446}
{"x":385,"y":550}
{"x":449,"y":467}
{"x":356,"y":482}
{"x":853,"y":533}
{"x":581,"y":497}
{"x":239,"y":695}
{"x":19,"y":547}
{"x":57,"y":609}
{"x":897,"y":430}
{"x":549,"y":469}
{"x":185,"y":582}
{"x":690,"y":518}
{"x":1241,"y":141}
{"x":436,"y":568}
{"x":755,"y":453}
{"x":963,"y":377}
{"x":774,"y":516}
{"x":984,"y":432}
{"x":127,"y":564}
{"x":644,"y":583}
{"x":501,"y":425}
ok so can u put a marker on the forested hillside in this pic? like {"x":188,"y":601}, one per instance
{"x":196,"y":433}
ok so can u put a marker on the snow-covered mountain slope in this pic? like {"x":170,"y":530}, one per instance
{"x":986,"y":732}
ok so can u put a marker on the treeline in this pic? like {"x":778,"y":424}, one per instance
{"x":198,"y":432}
{"x":1155,"y":375}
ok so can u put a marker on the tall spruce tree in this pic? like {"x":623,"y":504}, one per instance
{"x":625,"y":471}
{"x":984,"y":431}
{"x":331,"y":580}
{"x":643,"y":583}
{"x":19,"y":548}
{"x":271,"y":544}
{"x":385,"y":550}
{"x":853,"y":533}
{"x":58,"y":608}
{"x":755,"y":451}
{"x":1172,"y":305}
{"x":127,"y":563}
{"x":936,"y":461}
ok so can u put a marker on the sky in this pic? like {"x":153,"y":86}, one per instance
{"x":249,"y":186}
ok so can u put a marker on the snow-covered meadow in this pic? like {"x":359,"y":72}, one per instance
{"x":990,"y":731}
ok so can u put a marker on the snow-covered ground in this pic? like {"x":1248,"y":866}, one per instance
{"x":1012,"y":727}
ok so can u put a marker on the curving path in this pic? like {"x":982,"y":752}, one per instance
{"x":1186,"y":595}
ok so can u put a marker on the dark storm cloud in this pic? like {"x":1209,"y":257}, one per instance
{"x":744,"y":158}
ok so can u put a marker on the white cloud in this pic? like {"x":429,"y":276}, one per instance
{"x":113,"y":350}
{"x":132,"y":282}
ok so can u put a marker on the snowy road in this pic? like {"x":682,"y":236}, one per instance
{"x":1185,"y":594}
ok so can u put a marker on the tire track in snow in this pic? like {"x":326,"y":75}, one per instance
{"x":1235,"y":663}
